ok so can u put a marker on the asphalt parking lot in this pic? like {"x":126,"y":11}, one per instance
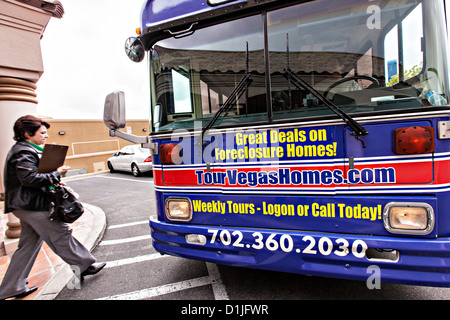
{"x":135,"y":271}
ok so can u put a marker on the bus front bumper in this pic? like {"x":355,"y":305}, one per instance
{"x":400,"y":260}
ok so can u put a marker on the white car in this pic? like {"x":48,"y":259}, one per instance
{"x":134,"y":159}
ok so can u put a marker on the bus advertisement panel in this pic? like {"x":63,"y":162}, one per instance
{"x":309,"y":137}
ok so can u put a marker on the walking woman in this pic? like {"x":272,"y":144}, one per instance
{"x":26,"y":195}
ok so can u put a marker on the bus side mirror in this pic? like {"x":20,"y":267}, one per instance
{"x":114,"y":112}
{"x":114,"y":118}
{"x":157,"y":114}
{"x":134,"y":49}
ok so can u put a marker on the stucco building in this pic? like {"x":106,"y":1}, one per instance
{"x":22,"y":24}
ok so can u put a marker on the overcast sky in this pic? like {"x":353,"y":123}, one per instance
{"x":84,"y":60}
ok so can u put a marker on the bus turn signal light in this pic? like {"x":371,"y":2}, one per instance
{"x":170,"y":153}
{"x":414,"y":140}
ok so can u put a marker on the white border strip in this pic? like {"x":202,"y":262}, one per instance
{"x":122,"y":262}
{"x":126,"y":240}
{"x":116,"y":226}
{"x":126,"y":179}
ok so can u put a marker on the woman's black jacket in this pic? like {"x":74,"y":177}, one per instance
{"x":25,"y":187}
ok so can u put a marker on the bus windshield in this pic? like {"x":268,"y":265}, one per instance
{"x":376,"y":57}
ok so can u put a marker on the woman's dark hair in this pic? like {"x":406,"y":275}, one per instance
{"x":29,"y":124}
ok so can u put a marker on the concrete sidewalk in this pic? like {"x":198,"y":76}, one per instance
{"x":49,"y":272}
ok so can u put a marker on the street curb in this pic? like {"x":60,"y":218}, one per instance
{"x":89,"y":237}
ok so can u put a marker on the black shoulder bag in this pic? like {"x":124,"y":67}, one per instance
{"x":64,"y":204}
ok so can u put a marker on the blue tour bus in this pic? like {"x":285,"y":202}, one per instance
{"x":309,"y":136}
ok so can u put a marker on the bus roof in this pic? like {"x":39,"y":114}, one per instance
{"x":161,"y":15}
{"x":156,"y":12}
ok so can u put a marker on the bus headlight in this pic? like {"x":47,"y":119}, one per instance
{"x":409,"y":218}
{"x":178,"y":209}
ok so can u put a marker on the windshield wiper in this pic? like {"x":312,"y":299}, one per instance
{"x":358,"y":130}
{"x":236,"y":94}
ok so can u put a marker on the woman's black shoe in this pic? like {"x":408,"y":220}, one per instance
{"x":93,"y":269}
{"x":24,"y":294}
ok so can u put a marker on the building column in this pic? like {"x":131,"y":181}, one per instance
{"x":17,"y":98}
{"x":22,"y":24}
